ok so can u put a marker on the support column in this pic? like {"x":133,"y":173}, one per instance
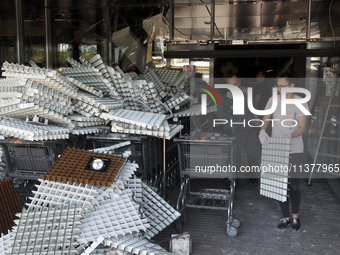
{"x":115,"y":29}
{"x":212,"y":20}
{"x":212,"y":34}
{"x":108,"y":33}
{"x":309,"y":19}
{"x":48,"y":33}
{"x":20,"y":32}
{"x":172,"y":28}
{"x":164,"y":170}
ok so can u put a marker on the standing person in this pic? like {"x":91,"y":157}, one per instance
{"x":296,"y":149}
{"x":262,"y":90}
{"x":262,"y":93}
{"x":245,"y":136}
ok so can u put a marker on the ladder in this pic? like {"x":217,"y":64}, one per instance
{"x":331,"y":107}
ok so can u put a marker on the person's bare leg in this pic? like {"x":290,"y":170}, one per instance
{"x":295,"y":215}
{"x":296,"y":225}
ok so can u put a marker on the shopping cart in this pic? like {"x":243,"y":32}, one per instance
{"x":207,"y":156}
{"x":30,"y":160}
{"x":146,"y":151}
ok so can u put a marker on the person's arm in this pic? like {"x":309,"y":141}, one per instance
{"x":266,"y":123}
{"x":302,"y":122}
{"x":263,"y":136}
{"x":257,"y":99}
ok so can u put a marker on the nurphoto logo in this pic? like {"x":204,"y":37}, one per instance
{"x":238,"y":104}
{"x":238,"y":100}
{"x":204,"y":97}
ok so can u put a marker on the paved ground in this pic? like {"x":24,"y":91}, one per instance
{"x":259,"y":216}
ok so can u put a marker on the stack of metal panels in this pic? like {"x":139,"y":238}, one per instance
{"x":77,"y":218}
{"x":92,"y":90}
{"x":20,"y":129}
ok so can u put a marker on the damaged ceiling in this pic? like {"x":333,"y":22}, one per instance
{"x":82,"y":20}
{"x":234,"y":19}
{"x":255,"y":20}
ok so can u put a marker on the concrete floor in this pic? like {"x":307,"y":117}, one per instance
{"x":259,"y":216}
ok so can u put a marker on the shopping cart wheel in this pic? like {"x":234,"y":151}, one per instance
{"x":236,"y":223}
{"x":231,"y":231}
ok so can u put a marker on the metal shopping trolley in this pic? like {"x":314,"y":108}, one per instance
{"x":207,"y":156}
{"x":30,"y":160}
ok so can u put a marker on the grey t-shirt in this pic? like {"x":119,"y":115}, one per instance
{"x":289,"y":126}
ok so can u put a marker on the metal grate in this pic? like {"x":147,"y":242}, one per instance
{"x":56,"y":193}
{"x":113,"y":218}
{"x":275,"y":168}
{"x":9,"y":205}
{"x":156,"y":209}
{"x":5,"y":243}
{"x":71,"y":167}
{"x":51,"y":229}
